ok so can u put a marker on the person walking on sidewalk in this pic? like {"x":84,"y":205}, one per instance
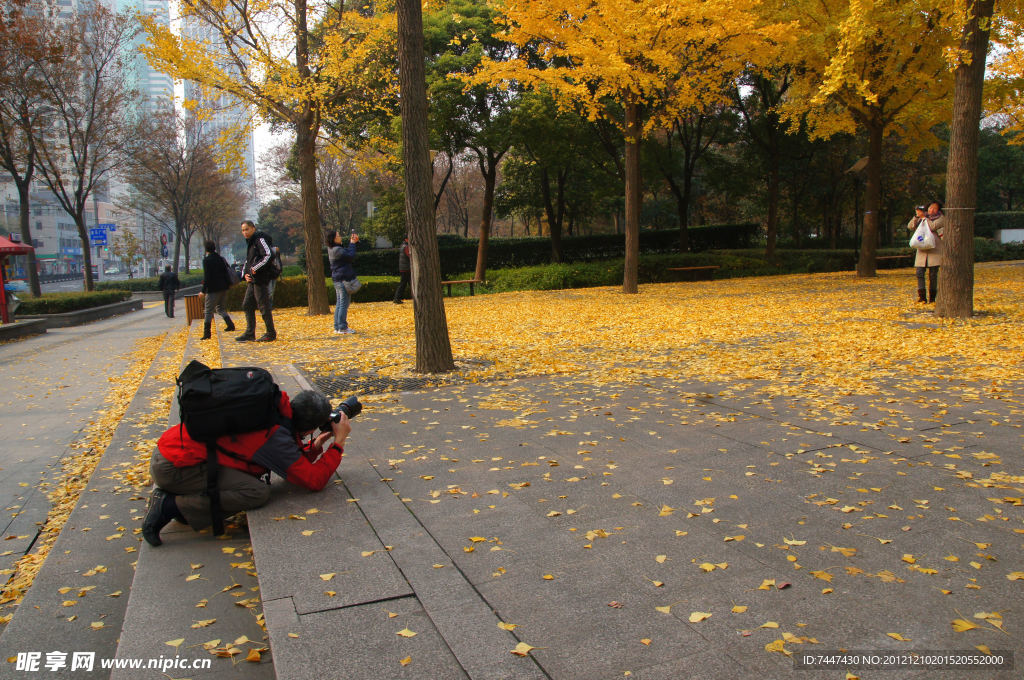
{"x":403,"y":271}
{"x":343,"y":273}
{"x":216,"y":282}
{"x":179,"y":467}
{"x":257,"y":272}
{"x":169,"y":285}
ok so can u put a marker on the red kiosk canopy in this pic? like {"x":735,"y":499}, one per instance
{"x":9,"y":247}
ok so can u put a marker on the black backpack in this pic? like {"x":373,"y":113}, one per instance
{"x":215,"y":402}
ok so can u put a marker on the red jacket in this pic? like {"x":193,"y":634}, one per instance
{"x":275,"y":449}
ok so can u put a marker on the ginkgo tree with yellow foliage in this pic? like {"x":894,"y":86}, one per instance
{"x":873,"y":66}
{"x":636,"y":63}
{"x":292,"y":62}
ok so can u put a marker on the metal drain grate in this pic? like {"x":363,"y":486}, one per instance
{"x":340,"y":386}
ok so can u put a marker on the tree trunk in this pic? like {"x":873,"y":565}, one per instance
{"x":872,"y":202}
{"x":772,"y":225}
{"x":316,"y":289}
{"x":486,"y":214}
{"x":553,"y":215}
{"x":83,"y":234}
{"x":956,"y":275}
{"x":632,"y":161}
{"x":25,"y":224}
{"x":433,"y":345}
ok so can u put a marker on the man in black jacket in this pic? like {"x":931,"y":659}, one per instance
{"x":216,"y":282}
{"x":169,"y":285}
{"x":258,"y":273}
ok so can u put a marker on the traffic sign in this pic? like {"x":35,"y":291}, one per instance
{"x":108,"y":227}
{"x":98,"y":236}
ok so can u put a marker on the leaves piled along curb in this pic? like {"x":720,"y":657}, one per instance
{"x":77,"y":467}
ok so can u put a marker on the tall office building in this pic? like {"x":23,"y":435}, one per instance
{"x":156,"y":90}
{"x":226,"y":113}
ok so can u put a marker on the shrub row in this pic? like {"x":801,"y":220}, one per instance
{"x":459,"y":255}
{"x":150,"y":283}
{"x":291,"y":291}
{"x":58,"y":303}
{"x":987,"y":223}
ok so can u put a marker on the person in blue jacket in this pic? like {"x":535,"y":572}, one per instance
{"x":342,"y":258}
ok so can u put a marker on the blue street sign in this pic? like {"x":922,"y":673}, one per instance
{"x":98,"y":237}
{"x":108,"y":227}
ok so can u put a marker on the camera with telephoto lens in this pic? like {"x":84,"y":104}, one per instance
{"x":350,"y":407}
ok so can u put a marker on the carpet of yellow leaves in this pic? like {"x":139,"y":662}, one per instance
{"x":814,"y":335}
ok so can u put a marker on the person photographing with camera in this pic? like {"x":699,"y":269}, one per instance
{"x":293,"y":445}
{"x":342,"y":257}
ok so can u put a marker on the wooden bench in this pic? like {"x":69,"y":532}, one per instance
{"x":709,"y":269}
{"x":471,"y":283}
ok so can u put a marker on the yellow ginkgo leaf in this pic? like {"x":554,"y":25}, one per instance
{"x":253,"y":656}
{"x":739,"y":609}
{"x":406,"y":633}
{"x":406,"y":661}
{"x":664,"y":610}
{"x":327,"y":577}
{"x":697,"y":617}
{"x":961,"y":625}
{"x":769,"y":624}
{"x":175,"y":643}
{"x":522,"y":649}
{"x":507,"y":626}
{"x":897,"y":636}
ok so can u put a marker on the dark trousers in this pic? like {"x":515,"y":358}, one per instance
{"x":933,"y":277}
{"x":257,"y":296}
{"x":403,"y":285}
{"x":238,"y":490}
{"x":169,"y":302}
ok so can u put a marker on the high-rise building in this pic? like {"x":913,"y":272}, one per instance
{"x":226,"y":113}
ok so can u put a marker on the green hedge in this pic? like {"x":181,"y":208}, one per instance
{"x":150,"y":283}
{"x":986,"y":223}
{"x":291,"y":291}
{"x":58,"y":303}
{"x":459,"y":254}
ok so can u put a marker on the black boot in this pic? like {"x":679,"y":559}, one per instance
{"x":229,"y":325}
{"x":920,"y":295}
{"x":931,"y":296}
{"x":162,"y":509}
{"x":206,"y":330}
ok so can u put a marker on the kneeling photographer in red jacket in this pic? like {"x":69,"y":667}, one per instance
{"x":245,"y":461}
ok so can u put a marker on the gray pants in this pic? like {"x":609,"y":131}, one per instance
{"x":238,"y":490}
{"x":257,"y":296}
{"x":214,"y":303}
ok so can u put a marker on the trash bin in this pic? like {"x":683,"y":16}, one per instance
{"x":193,"y":308}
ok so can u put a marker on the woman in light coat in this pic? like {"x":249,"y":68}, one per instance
{"x":929,"y":260}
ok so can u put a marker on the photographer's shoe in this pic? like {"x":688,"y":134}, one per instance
{"x":267,"y":338}
{"x":155,"y":519}
{"x":245,"y":337}
{"x":347,"y":331}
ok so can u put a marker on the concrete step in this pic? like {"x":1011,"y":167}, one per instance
{"x":346,"y":573}
{"x":78,"y":599}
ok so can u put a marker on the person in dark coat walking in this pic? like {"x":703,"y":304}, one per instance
{"x":404,"y":274}
{"x":169,"y":285}
{"x":258,"y":272}
{"x":216,"y":282}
